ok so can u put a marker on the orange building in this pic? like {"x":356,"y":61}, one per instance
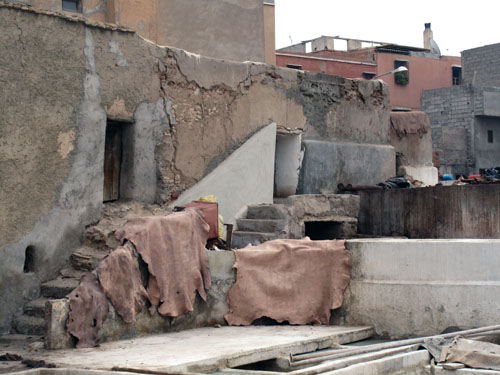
{"x":240,"y":30}
{"x":427,"y":68}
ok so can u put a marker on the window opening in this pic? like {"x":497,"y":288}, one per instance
{"x":294,"y":66}
{"x":72,"y":5}
{"x":401,"y":78}
{"x":456,"y":72}
{"x":368,"y":75}
{"x":490,"y":136}
{"x":29,"y":260}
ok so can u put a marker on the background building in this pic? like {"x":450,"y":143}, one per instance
{"x":465,"y":119}
{"x":241,"y":30}
{"x":427,"y":69}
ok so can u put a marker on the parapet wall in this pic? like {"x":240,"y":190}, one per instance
{"x":410,"y":288}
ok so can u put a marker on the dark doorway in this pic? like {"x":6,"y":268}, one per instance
{"x":323,"y":230}
{"x":112,"y":160}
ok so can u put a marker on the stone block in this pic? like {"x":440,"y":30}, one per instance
{"x":326,"y":164}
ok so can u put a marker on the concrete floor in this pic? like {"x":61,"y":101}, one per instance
{"x":202,"y":349}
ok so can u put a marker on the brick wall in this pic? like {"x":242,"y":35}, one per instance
{"x":484,"y":61}
{"x":451,"y":116}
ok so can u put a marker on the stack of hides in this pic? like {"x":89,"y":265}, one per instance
{"x":173,"y":247}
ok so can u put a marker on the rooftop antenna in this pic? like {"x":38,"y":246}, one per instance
{"x":290,"y":36}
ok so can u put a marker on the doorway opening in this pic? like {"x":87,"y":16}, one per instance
{"x":323,"y":230}
{"x":113,"y":155}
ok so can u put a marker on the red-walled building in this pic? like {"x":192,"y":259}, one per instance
{"x":427,"y":69}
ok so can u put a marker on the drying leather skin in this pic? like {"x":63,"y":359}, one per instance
{"x":120,"y":279}
{"x":173,"y":247}
{"x":414,"y":122}
{"x":88,"y":310}
{"x":299,"y":281}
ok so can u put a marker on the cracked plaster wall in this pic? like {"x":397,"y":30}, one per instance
{"x":63,"y":77}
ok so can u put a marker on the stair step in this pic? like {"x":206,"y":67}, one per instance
{"x":101,"y":236}
{"x":241,"y":239}
{"x":71,"y":273}
{"x":259,"y":225}
{"x":267,"y":211}
{"x":29,"y":325}
{"x":58,"y":288}
{"x":86,"y":258}
{"x":36,"y":307}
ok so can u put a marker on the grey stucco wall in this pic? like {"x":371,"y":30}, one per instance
{"x":480,"y":65}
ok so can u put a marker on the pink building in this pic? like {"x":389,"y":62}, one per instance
{"x":427,"y":68}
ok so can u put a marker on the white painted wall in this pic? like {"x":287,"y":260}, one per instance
{"x":288,"y":161}
{"x":246,"y":177}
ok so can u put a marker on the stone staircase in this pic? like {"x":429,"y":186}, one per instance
{"x":263,"y":222}
{"x":98,"y":242}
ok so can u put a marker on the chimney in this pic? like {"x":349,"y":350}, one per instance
{"x":427,"y":36}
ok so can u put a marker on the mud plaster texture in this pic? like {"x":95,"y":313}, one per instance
{"x":183,"y":114}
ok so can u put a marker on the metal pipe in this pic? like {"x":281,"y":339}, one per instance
{"x":390,"y":345}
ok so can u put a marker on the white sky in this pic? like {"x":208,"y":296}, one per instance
{"x":457,"y":24}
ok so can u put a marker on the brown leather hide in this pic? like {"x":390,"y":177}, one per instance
{"x":299,"y":281}
{"x":173,"y":247}
{"x":88,"y":310}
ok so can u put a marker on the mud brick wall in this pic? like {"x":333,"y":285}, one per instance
{"x":65,"y":78}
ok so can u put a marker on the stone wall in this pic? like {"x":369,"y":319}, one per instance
{"x":480,"y":65}
{"x":183,"y":114}
{"x":471,"y":211}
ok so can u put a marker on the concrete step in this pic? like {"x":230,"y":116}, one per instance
{"x":267,"y":211}
{"x":36,"y":308}
{"x":260,"y":225}
{"x":241,"y":239}
{"x":58,"y":288}
{"x":18,"y":339}
{"x":86,"y":258}
{"x":29,"y":325}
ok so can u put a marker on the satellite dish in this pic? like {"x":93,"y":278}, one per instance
{"x":434,"y":47}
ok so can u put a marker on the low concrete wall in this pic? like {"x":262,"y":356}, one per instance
{"x":407,"y":288}
{"x":470,"y":211}
{"x":326,"y":164}
{"x":114,"y":328}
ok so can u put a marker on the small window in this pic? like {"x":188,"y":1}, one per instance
{"x":294,"y":66}
{"x":490,"y":136}
{"x":401,"y":78}
{"x":368,"y":75}
{"x":456,"y":72}
{"x":72,"y":5}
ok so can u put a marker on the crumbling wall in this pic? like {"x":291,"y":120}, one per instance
{"x":63,"y":78}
